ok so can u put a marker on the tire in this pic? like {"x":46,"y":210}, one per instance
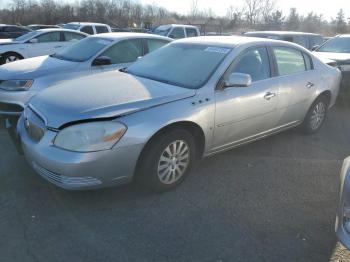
{"x":11,"y":57}
{"x":163,"y":175}
{"x":316,"y":116}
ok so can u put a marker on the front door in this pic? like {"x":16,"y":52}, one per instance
{"x":245,"y":112}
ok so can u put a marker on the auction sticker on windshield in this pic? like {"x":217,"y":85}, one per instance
{"x":220,"y":50}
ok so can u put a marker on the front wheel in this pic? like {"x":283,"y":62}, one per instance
{"x":316,"y":116}
{"x":167,"y":160}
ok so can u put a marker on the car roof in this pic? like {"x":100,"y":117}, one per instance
{"x":85,"y":23}
{"x":123,"y":35}
{"x":280,"y":33}
{"x":179,"y":25}
{"x":226,"y":41}
{"x":1,"y":25}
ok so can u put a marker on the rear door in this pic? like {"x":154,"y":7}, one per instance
{"x":298,"y":81}
{"x":48,"y":43}
{"x":122,"y":54}
{"x":245,"y":112}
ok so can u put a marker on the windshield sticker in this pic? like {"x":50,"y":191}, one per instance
{"x":104,"y":42}
{"x":217,"y":50}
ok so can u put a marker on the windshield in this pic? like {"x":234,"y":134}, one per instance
{"x":26,"y":36}
{"x":185,"y":65}
{"x":71,"y":26}
{"x":83,"y":50}
{"x":162,"y":30}
{"x":336,"y":45}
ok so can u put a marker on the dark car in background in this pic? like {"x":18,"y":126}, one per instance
{"x":307,"y":40}
{"x":12,"y":31}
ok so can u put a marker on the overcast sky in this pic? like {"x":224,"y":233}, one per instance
{"x":329,"y":8}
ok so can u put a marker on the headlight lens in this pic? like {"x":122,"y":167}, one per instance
{"x":16,"y":85}
{"x":90,"y":137}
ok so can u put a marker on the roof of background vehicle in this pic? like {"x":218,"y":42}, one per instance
{"x":60,"y":30}
{"x":179,"y":25}
{"x":230,"y":41}
{"x":122,"y":35}
{"x":1,"y":25}
{"x":85,"y":23}
{"x":280,"y":33}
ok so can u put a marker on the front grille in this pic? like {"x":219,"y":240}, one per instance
{"x":65,"y":181}
{"x":34,"y":125}
{"x":10,"y":108}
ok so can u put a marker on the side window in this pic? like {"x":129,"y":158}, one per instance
{"x":289,"y":61}
{"x":255,"y":62}
{"x":300,"y":40}
{"x":125,"y":52}
{"x":177,"y":33}
{"x":191,"y":32}
{"x":72,"y":37}
{"x":101,"y":29}
{"x":49,"y":37}
{"x":154,"y":44}
{"x":315,"y":40}
{"x":87,"y":30}
{"x":10,"y":29}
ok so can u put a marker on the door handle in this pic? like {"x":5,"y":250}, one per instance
{"x":309,"y":85}
{"x":58,"y":46}
{"x":269,"y":95}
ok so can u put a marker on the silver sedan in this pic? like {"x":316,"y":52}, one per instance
{"x":190,"y":99}
{"x":21,"y":80}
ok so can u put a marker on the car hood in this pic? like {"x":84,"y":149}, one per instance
{"x":326,"y":56}
{"x":32,"y":68}
{"x":104,"y":95}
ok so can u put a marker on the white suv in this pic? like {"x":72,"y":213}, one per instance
{"x":89,"y":28}
{"x":177,"y":31}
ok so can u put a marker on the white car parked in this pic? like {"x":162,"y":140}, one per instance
{"x":37,"y":43}
{"x":176,"y":31}
{"x":89,"y":28}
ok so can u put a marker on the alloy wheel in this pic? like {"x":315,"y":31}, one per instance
{"x":318,"y":115}
{"x":173,"y":162}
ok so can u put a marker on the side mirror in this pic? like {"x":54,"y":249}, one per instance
{"x":33,"y":40}
{"x":238,"y":80}
{"x":101,"y":61}
{"x":315,"y":47}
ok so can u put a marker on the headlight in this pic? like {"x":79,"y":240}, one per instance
{"x":16,"y":85}
{"x":90,"y":137}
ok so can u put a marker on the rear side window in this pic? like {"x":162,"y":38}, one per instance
{"x":254,"y":62}
{"x":72,"y":37}
{"x":101,"y":29}
{"x":49,"y":37}
{"x":154,"y":44}
{"x":125,"y":52}
{"x":88,"y":30}
{"x":289,"y":61}
{"x":191,"y":32}
{"x":177,"y":33}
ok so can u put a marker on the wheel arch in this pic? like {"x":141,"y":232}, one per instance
{"x":191,"y":127}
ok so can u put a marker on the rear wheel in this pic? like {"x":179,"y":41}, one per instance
{"x":11,"y":57}
{"x":167,"y":160}
{"x":316,"y":115}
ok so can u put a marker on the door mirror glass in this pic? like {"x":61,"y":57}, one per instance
{"x":101,"y":61}
{"x":315,"y":47}
{"x":33,"y":40}
{"x":238,"y":80}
